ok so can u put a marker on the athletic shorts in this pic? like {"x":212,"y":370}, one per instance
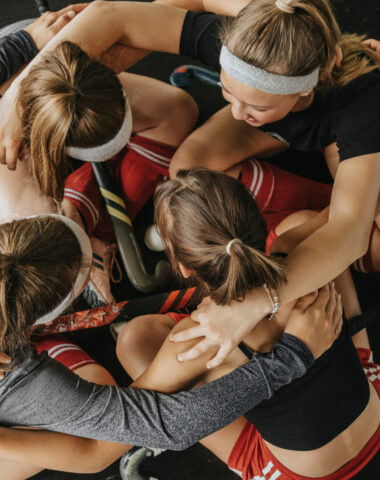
{"x":279,"y":193}
{"x":252,"y":460}
{"x":177,"y":317}
{"x":63,"y":350}
{"x":138,"y":169}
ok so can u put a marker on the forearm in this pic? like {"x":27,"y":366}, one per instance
{"x":321,"y":257}
{"x":138,"y":25}
{"x":221,"y":7}
{"x":330,"y":250}
{"x":140,"y":417}
{"x":289,"y":240}
{"x":66,"y":453}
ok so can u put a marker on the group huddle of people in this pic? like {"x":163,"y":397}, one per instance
{"x":265,"y":372}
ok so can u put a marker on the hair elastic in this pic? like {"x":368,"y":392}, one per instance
{"x":255,"y":77}
{"x":106,"y":151}
{"x":285,"y":7}
{"x":230,"y":243}
{"x":84,"y":268}
{"x":77,"y":90}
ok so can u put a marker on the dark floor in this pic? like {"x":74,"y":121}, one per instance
{"x":196,"y":463}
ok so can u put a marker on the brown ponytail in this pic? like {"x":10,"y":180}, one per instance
{"x":198,"y":213}
{"x":39,"y":261}
{"x":67,"y":99}
{"x":296,"y":43}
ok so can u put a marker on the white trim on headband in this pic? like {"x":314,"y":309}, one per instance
{"x":84,"y":268}
{"x":106,"y":151}
{"x":262,"y":80}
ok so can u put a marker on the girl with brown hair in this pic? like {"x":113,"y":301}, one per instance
{"x":215,"y":235}
{"x":316,"y":93}
{"x":69,"y":99}
{"x":44,"y":265}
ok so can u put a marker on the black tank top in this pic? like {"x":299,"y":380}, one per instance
{"x":314,"y":409}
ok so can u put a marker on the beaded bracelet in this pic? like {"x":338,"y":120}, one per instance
{"x":273,"y":300}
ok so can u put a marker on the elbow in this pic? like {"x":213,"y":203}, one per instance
{"x":362,"y":243}
{"x":191,"y":153}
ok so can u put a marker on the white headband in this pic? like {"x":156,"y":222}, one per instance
{"x":255,"y":77}
{"x":84,"y":268}
{"x":104,"y":152}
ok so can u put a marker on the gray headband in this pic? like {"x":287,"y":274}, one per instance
{"x":255,"y":77}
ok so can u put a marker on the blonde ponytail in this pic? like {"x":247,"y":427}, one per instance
{"x":67,"y":99}
{"x":297,"y":43}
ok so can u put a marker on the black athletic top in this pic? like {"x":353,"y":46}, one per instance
{"x":348,"y":115}
{"x":314,"y":409}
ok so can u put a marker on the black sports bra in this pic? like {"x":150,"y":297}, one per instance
{"x":314,"y":409}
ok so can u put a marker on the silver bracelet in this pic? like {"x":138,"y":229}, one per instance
{"x":273,"y":298}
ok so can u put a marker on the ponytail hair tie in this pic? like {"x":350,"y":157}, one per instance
{"x":230,"y":243}
{"x":284,"y":6}
{"x":77,"y":90}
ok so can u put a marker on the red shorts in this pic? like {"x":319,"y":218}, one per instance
{"x":279,"y":193}
{"x":177,"y":317}
{"x":252,"y":459}
{"x":138,"y":169}
{"x":63,"y":350}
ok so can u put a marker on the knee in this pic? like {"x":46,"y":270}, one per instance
{"x":139,"y":341}
{"x":131,"y":336}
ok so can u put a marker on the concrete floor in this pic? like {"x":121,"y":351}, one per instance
{"x":196,"y":463}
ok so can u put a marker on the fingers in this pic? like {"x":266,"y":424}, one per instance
{"x":2,"y":155}
{"x":337,"y":318}
{"x":304,"y":302}
{"x":322,"y":298}
{"x":62,"y":21}
{"x":11,"y":155}
{"x":372,"y":43}
{"x":202,"y":347}
{"x":188,"y":334}
{"x":4,"y":359}
{"x":219,"y":358}
{"x":331,"y":302}
{"x":75,"y":7}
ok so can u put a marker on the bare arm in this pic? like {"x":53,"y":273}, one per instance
{"x":288,"y":240}
{"x":221,"y":7}
{"x":320,"y":258}
{"x":65,"y":452}
{"x":236,"y":141}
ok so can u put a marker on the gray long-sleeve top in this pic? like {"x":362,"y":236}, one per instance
{"x":16,"y":49}
{"x":42,"y":393}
